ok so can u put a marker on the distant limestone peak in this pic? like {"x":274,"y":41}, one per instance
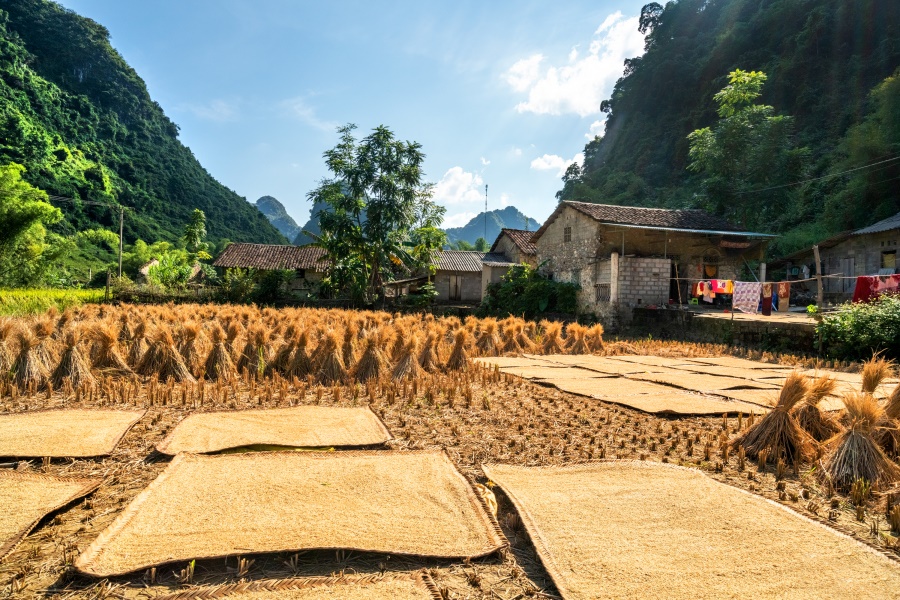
{"x":278,"y":216}
{"x":509,"y":217}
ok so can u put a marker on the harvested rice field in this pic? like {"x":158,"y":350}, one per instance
{"x":423,"y":387}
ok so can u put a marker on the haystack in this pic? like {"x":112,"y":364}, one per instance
{"x":281,"y":362}
{"x":7,"y":352}
{"x":219,"y":364}
{"x":138,"y":346}
{"x":163,"y":360}
{"x":820,"y":425}
{"x":854,"y":453}
{"x":458,"y":360}
{"x":511,"y":345}
{"x":407,"y":364}
{"x":874,"y":372}
{"x":576,"y":339}
{"x":489,"y":341}
{"x":190,"y":347}
{"x":525,"y":342}
{"x":348,"y":350}
{"x":332,"y":369}
{"x":888,"y":432}
{"x":105,"y":354}
{"x":301,"y":363}
{"x":594,"y":337}
{"x":73,"y":365}
{"x":255,"y":355}
{"x":32,"y":364}
{"x":373,"y":362}
{"x":429,"y":359}
{"x":553,"y":342}
{"x":778,"y":432}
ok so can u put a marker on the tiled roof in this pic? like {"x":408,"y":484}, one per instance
{"x":271,"y":257}
{"x":459,"y":260}
{"x":888,"y":224}
{"x":656,"y":218}
{"x":519,"y":237}
{"x":497,"y":259}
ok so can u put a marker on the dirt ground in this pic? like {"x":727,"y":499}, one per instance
{"x":477,"y":416}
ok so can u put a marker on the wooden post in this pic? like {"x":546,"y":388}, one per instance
{"x":121,"y":229}
{"x":820,"y":297}
{"x":614,"y":277}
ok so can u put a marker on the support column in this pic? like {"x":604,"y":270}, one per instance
{"x":614,"y":277}
{"x":762,"y":272}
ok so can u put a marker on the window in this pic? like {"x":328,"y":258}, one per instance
{"x":300,"y":273}
{"x":567,"y":234}
{"x":602,"y":292}
{"x":889,"y":259}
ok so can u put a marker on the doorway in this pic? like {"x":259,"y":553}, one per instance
{"x":455,"y":288}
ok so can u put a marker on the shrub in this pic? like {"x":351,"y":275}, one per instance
{"x":524,"y":292}
{"x":856,"y":330}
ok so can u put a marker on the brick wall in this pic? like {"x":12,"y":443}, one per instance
{"x":644,"y":281}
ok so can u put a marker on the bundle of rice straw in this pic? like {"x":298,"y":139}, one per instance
{"x":854,"y":453}
{"x":399,"y":343}
{"x":233,"y":331}
{"x":281,"y":362}
{"x":372,"y":363}
{"x":553,"y":342}
{"x":73,"y":365}
{"x":332,"y":368}
{"x":407,"y":365}
{"x":348,"y":351}
{"x":124,"y":332}
{"x":888,"y":433}
{"x":511,"y":346}
{"x":778,"y":432}
{"x":219,"y":364}
{"x":138,"y":343}
{"x":594,"y":338}
{"x":524,"y":340}
{"x":576,"y":339}
{"x":31,"y":365}
{"x":7,"y":354}
{"x":429,"y":359}
{"x":163,"y":360}
{"x":105,"y":354}
{"x":874,"y":372}
{"x":458,"y":360}
{"x":254,"y":356}
{"x":189,"y":347}
{"x":810,"y":417}
{"x":489,"y":340}
{"x":301,"y":363}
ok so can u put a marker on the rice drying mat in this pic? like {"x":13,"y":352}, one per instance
{"x":634,"y":530}
{"x":71,"y":433}
{"x":512,"y":361}
{"x":554,"y":372}
{"x":605,"y":387}
{"x":653,"y":361}
{"x":298,"y":427}
{"x":207,"y":506}
{"x":417,"y":586}
{"x":737,"y":372}
{"x":743,"y":363}
{"x":676,"y":402}
{"x":26,"y":498}
{"x":602,"y":364}
{"x":698,"y":382}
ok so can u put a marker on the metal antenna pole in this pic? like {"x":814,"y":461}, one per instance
{"x":485,"y":212}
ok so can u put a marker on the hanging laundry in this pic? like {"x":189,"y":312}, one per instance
{"x":729,"y":286}
{"x":784,"y":296}
{"x":766,"y":299}
{"x":746,"y":296}
{"x":718,"y":286}
{"x":869,"y":287}
{"x":708,"y":294}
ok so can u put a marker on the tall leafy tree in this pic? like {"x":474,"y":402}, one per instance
{"x":380,"y":218}
{"x":24,"y":214}
{"x":748,"y":158}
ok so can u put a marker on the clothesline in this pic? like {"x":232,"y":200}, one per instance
{"x":695,"y":280}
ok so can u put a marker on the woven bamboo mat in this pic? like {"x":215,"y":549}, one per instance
{"x":655,"y":361}
{"x":512,"y":361}
{"x":300,"y":426}
{"x":699,"y":382}
{"x":26,"y":498}
{"x":743,"y":363}
{"x":675,"y":402}
{"x":207,"y":506}
{"x":605,"y":388}
{"x":636,"y":530}
{"x":554,"y":372}
{"x":64,"y":433}
{"x":414,"y":586}
{"x":761,"y":398}
{"x":736,"y":372}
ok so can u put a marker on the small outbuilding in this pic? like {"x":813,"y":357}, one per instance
{"x":516,"y":246}
{"x":307,"y":262}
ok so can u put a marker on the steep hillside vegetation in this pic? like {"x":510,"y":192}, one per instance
{"x":827,"y":63}
{"x":278,"y":216}
{"x":83,"y":124}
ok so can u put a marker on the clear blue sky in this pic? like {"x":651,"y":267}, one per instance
{"x":498,"y":93}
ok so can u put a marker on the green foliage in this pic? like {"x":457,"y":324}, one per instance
{"x":822,"y":58}
{"x":238,"y":284}
{"x":378,"y":208}
{"x":82,"y":122}
{"x":271,"y":286}
{"x":24,"y":215}
{"x":195,"y":235}
{"x":173,"y":271}
{"x":856,"y":330}
{"x":31,"y":301}
{"x":424,"y":297}
{"x":524,"y":292}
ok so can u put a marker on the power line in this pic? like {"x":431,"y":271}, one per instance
{"x":776,"y":187}
{"x":120,"y":207}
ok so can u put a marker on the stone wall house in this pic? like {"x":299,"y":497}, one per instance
{"x":516,"y":246}
{"x":307,"y":262}
{"x":624,"y":256}
{"x":871,"y":250}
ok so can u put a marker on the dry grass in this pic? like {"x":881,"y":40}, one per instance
{"x":820,"y":425}
{"x":874,"y":372}
{"x":854,"y":453}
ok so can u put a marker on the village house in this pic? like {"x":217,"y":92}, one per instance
{"x":307,"y":262}
{"x":516,"y":246}
{"x":462,"y":275}
{"x":624,"y":256}
{"x":871,"y":250}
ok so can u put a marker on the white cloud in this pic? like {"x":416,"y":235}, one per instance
{"x":299,"y":109}
{"x":216,"y":110}
{"x":458,"y":187}
{"x":485,"y":162}
{"x":552,"y":162}
{"x":583,"y":83}
{"x":458,"y":220}
{"x":517,"y":151}
{"x":524,"y":73}
{"x":596,"y":128}
{"x":504,"y":200}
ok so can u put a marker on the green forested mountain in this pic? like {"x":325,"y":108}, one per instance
{"x":829,"y":65}
{"x":83,"y":124}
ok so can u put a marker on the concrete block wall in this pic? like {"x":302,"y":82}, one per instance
{"x":644,"y":281}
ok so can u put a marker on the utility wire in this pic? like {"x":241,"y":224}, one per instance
{"x":90,"y":202}
{"x":776,"y":187}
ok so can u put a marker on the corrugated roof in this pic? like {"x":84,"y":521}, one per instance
{"x":693,"y":220}
{"x":885,"y":225}
{"x":459,"y":260}
{"x":271,"y":257}
{"x":519,"y":237}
